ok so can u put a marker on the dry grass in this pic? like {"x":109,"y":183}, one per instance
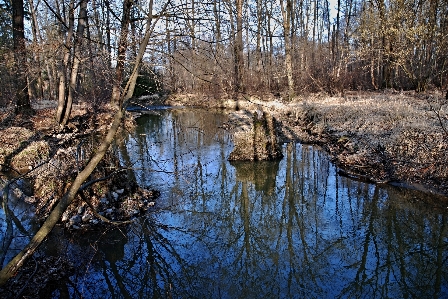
{"x":381,"y":136}
{"x":385,"y":136}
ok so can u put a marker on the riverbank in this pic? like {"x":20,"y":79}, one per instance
{"x":45,"y":160}
{"x":365,"y":135}
{"x":382,"y":137}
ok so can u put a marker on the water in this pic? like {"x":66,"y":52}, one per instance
{"x":287,"y":229}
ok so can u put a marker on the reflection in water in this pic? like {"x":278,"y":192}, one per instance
{"x":288,"y":229}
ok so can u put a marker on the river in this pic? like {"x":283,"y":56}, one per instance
{"x":287,"y":229}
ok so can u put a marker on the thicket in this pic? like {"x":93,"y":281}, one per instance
{"x":224,"y":48}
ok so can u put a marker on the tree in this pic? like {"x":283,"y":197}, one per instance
{"x":11,"y":268}
{"x":122,"y":47}
{"x":286,"y":14}
{"x":238,"y":48}
{"x":68,"y":71}
{"x":21,"y":66}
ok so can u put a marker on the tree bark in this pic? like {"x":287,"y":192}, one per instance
{"x":36,"y":55}
{"x":122,"y":46}
{"x":82,"y":24}
{"x":23,"y":105}
{"x":62,"y":69}
{"x":238,"y":48}
{"x":286,"y":13}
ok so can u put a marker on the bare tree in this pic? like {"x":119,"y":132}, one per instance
{"x":286,"y":14}
{"x":21,"y":65}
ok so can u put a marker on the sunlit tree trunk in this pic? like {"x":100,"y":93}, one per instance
{"x":62,"y":69}
{"x":36,"y":55}
{"x":258,"y":42}
{"x":122,"y":46}
{"x":238,"y":48}
{"x":286,"y":13}
{"x":82,"y":24}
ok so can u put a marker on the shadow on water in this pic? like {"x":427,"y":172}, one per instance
{"x":287,"y":229}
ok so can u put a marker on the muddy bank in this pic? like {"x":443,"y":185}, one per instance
{"x":48,"y":159}
{"x":383,"y":137}
{"x":38,"y":163}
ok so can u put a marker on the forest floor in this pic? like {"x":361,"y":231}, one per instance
{"x":388,"y":137}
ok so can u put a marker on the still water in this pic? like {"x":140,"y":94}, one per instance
{"x":287,"y":229}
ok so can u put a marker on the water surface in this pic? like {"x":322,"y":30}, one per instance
{"x":287,"y":229}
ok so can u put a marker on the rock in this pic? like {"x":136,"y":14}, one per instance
{"x":75,"y":220}
{"x":64,"y":216}
{"x":104,"y":200}
{"x":81,"y":210}
{"x":30,"y":199}
{"x":114,"y":196}
{"x":151,"y":204}
{"x":86,"y":218}
{"x":17,"y":193}
{"x":120,"y":191}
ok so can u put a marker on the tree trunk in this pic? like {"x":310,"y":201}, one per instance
{"x":36,"y":55}
{"x":62,"y":69}
{"x":122,"y":46}
{"x":82,"y":24}
{"x":258,"y":45}
{"x":13,"y":266}
{"x":286,"y":34}
{"x":238,"y":48}
{"x":23,"y":105}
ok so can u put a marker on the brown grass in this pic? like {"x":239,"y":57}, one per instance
{"x":379,"y":136}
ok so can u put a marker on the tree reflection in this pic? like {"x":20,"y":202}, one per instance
{"x":288,"y":229}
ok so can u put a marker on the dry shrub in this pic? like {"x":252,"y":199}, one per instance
{"x":33,"y":155}
{"x":11,"y":140}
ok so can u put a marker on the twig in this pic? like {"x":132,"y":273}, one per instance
{"x":28,"y":280}
{"x":104,"y":219}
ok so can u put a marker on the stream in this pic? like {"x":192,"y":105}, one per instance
{"x":293,"y":228}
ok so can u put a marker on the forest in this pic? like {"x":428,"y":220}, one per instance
{"x":84,"y":50}
{"x":102,"y":54}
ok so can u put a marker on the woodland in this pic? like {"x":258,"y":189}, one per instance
{"x":85,"y":50}
{"x":104,"y":53}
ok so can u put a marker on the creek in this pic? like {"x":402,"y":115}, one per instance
{"x":293,"y":228}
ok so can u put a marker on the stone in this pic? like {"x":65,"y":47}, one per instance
{"x":81,"y":209}
{"x":64,"y":216}
{"x":75,"y":220}
{"x":114,"y":196}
